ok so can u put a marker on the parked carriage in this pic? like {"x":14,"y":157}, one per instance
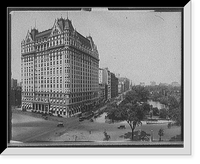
{"x":121,"y":127}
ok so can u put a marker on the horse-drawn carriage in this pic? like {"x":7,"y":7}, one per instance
{"x":121,"y":127}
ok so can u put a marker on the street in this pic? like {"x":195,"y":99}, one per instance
{"x":31,"y":127}
{"x":27,"y":127}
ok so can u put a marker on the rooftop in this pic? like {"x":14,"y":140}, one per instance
{"x":42,"y":34}
{"x":63,"y":24}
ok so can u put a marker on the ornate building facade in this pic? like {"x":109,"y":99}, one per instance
{"x":59,"y":70}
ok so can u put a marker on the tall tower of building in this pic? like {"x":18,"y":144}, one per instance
{"x":59,"y":70}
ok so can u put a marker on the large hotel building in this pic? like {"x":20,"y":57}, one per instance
{"x":59,"y":70}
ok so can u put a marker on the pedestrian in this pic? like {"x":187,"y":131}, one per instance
{"x":75,"y":137}
{"x":169,"y":125}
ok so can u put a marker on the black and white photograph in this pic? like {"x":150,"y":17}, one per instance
{"x":97,"y":78}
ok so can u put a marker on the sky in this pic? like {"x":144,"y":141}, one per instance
{"x":143,"y":46}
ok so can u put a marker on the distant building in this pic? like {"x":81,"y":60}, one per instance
{"x":19,"y":84}
{"x":163,"y":84}
{"x":13,"y":83}
{"x":120,"y":86}
{"x":123,"y":84}
{"x":153,"y":83}
{"x":15,"y":96}
{"x":117,"y":75}
{"x":100,"y":76}
{"x":105,"y":79}
{"x":102,"y":92}
{"x":175,"y":84}
{"x":131,"y":84}
{"x":114,"y":86}
{"x":142,"y":84}
{"x":126,"y":84}
{"x":102,"y":86}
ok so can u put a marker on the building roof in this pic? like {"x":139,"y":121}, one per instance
{"x":84,"y":40}
{"x":43,"y":34}
{"x":63,"y":24}
{"x":68,"y":24}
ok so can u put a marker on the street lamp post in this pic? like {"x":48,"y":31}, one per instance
{"x":151,"y":137}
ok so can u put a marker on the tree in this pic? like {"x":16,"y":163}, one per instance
{"x":132,"y":109}
{"x":140,"y":93}
{"x":175,"y":110}
{"x":161,"y":133}
{"x":131,"y":113}
{"x":155,"y":111}
{"x":163,"y":113}
{"x":151,"y":113}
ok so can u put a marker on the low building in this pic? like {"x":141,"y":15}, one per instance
{"x":13,"y":83}
{"x":175,"y":84}
{"x":153,"y":83}
{"x":163,"y":84}
{"x":15,"y":96}
{"x":142,"y":84}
